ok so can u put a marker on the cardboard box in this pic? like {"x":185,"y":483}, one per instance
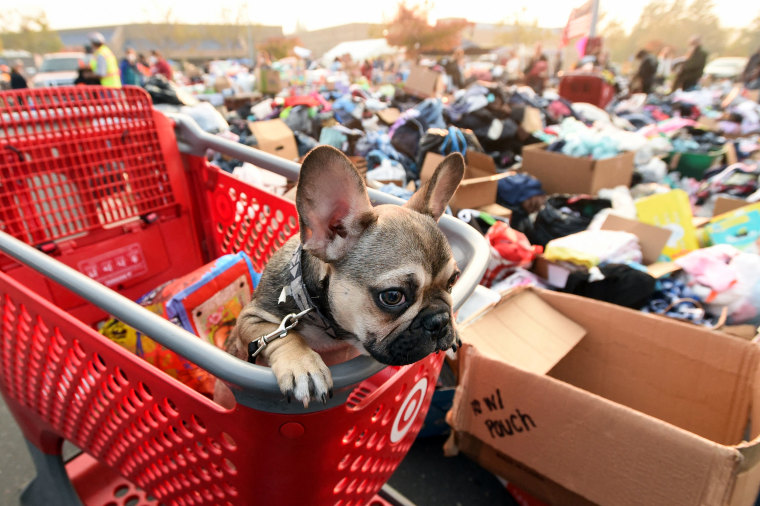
{"x":633,"y":409}
{"x":424,"y":82}
{"x":275,"y":137}
{"x":268,"y":81}
{"x":560,"y":173}
{"x":652,"y":240}
{"x":479,"y":185}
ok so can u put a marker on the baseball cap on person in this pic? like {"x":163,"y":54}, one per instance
{"x":96,"y":38}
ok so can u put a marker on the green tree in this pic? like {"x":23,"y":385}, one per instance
{"x":673,"y":23}
{"x":32,"y":32}
{"x":279,"y":47}
{"x":747,"y":41}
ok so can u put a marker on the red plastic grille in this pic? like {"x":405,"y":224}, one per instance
{"x":248,"y":219}
{"x":75,"y":159}
{"x":67,"y":380}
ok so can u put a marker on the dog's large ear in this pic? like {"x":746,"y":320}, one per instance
{"x":332,"y":203}
{"x":433,"y":197}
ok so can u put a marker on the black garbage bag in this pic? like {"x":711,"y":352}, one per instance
{"x":406,"y":138}
{"x":561,"y":215}
{"x":622,"y":285}
{"x":163,"y":91}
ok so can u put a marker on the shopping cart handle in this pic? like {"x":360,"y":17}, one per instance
{"x":253,"y":385}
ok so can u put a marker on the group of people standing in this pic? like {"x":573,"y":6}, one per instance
{"x":133,"y":69}
{"x":656,"y":70}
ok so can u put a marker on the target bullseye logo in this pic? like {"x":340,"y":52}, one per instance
{"x":407,"y":414}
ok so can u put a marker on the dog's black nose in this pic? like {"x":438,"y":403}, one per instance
{"x":435,"y":323}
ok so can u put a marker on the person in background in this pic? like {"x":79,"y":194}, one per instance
{"x":128,"y":68}
{"x":645,"y":75}
{"x":159,"y":65}
{"x":453,"y":68}
{"x":751,"y":73}
{"x":691,"y":70}
{"x":366,"y":70}
{"x":664,"y":65}
{"x":104,"y":64}
{"x":18,"y":81}
{"x":537,"y":74}
{"x":143,"y":66}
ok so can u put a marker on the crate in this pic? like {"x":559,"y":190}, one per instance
{"x":90,"y":170}
{"x":589,"y":88}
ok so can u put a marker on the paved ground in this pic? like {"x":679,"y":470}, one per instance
{"x":425,"y":477}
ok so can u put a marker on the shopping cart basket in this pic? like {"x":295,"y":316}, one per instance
{"x":102,"y":198}
{"x":585,"y":87}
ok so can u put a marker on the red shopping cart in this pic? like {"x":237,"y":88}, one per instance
{"x":585,"y":87}
{"x":101,"y":199}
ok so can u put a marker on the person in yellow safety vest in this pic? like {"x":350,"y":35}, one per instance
{"x":104,"y":63}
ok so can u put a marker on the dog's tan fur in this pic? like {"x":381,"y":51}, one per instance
{"x":356,"y":258}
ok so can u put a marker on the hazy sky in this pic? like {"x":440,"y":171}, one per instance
{"x":314,"y":14}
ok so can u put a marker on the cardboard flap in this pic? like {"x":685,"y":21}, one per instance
{"x":726,"y":204}
{"x":525,"y":332}
{"x":652,"y":239}
{"x":389,"y":115}
{"x":482,"y":162}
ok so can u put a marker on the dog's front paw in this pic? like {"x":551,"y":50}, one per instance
{"x":303,"y":377}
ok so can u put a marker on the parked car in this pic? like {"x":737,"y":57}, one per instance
{"x":59,"y":69}
{"x":727,"y":67}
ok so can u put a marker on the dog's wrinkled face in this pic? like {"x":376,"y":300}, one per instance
{"x":393,"y":290}
{"x":390,"y":268}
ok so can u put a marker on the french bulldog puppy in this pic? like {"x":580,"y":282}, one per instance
{"x":375,"y":278}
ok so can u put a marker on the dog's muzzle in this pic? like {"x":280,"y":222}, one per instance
{"x":429,"y":332}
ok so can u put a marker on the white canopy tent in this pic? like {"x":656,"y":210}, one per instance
{"x":360,"y":50}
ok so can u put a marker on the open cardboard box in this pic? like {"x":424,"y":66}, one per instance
{"x":479,"y":184}
{"x":560,"y":173}
{"x":275,"y":136}
{"x":424,"y":82}
{"x":579,"y":401}
{"x":652,"y":240}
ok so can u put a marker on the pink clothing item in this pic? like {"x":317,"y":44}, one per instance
{"x":710,"y":266}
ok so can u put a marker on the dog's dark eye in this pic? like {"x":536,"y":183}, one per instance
{"x":392,"y":298}
{"x":453,"y":281}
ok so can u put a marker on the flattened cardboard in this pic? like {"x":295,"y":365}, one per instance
{"x":643,"y":410}
{"x":275,"y":137}
{"x":525,"y":332}
{"x":560,"y":173}
{"x":479,"y":184}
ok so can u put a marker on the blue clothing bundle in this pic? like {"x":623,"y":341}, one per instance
{"x":514,"y":190}
{"x":674,"y":299}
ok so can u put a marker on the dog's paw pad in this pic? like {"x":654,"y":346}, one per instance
{"x":305,"y":379}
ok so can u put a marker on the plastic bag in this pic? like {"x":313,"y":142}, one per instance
{"x":510,"y":250}
{"x":564,"y":215}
